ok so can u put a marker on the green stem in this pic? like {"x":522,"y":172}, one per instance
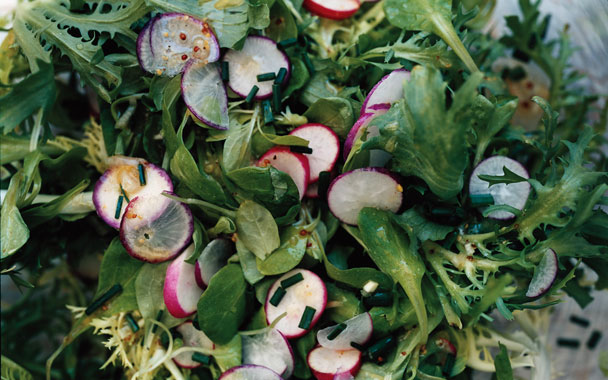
{"x":36,"y":130}
{"x":205,"y":205}
{"x":445,"y":30}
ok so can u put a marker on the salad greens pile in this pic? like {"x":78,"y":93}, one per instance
{"x":73,"y":94}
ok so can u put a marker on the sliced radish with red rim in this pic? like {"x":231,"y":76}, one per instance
{"x":128,"y":178}
{"x":294,"y":164}
{"x":259,"y":55}
{"x":358,"y":329}
{"x":180,"y":291}
{"x":327,"y":364}
{"x":250,"y":372}
{"x":362,"y":126}
{"x":544,"y":274}
{"x":386,"y":92}
{"x":512,"y":194}
{"x":332,"y":9}
{"x":205,"y":94}
{"x":213,"y":258}
{"x":192,"y":338}
{"x":325,"y":146}
{"x":155,"y":228}
{"x":367,"y":187}
{"x":269,"y":349}
{"x":145,"y":57}
{"x":300,"y":291}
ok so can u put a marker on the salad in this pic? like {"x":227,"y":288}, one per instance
{"x":282,"y":189}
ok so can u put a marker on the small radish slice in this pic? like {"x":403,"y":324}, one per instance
{"x":332,"y":9}
{"x":269,"y":349}
{"x":312,"y":191}
{"x":377,"y":157}
{"x":360,"y":188}
{"x":192,"y":338}
{"x":386,"y":92}
{"x":544,"y":275}
{"x":327,"y":364}
{"x":512,"y":194}
{"x":259,"y":55}
{"x":310,"y":291}
{"x":180,"y":291}
{"x":358,"y":329}
{"x":204,"y":94}
{"x":325,"y":146}
{"x":176,"y":39}
{"x":125,"y":172}
{"x":250,"y":372}
{"x":213,"y":258}
{"x":144,"y":50}
{"x":294,"y":164}
{"x":155,"y":228}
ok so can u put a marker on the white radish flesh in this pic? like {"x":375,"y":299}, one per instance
{"x":362,"y":126}
{"x":144,"y":50}
{"x":386,"y":92}
{"x":327,"y":364}
{"x":269,"y":349}
{"x":180,"y":291}
{"x":325,"y":146}
{"x":332,"y":9}
{"x":294,"y":164}
{"x":213,"y":258}
{"x":358,"y":329}
{"x":544,"y":274}
{"x":205,"y":94}
{"x":250,"y":372}
{"x":192,"y":338}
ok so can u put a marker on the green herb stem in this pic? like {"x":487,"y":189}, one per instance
{"x":444,"y":29}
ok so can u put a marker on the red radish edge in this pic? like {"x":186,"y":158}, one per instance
{"x":180,"y":280}
{"x":331,"y":8}
{"x":358,"y":329}
{"x":186,"y":88}
{"x":325,"y":362}
{"x":301,"y":183}
{"x":387,"y":100}
{"x":544,"y":274}
{"x":327,"y":145}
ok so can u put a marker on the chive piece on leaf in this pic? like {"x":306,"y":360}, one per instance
{"x":336,"y":331}
{"x":277,"y":296}
{"x":225,"y":71}
{"x":276,"y":97}
{"x":449,"y":364}
{"x":254,"y":90}
{"x":300,"y":149}
{"x":281,"y":76}
{"x":142,"y":175}
{"x":118,"y":207}
{"x":380,"y":347}
{"x":132,"y":324}
{"x":268,"y":117}
{"x":570,"y":343}
{"x":286,"y":43}
{"x":357,"y":346}
{"x":579,"y":321}
{"x":200,"y":358}
{"x":307,"y":317}
{"x":286,"y":283}
{"x":324,"y":180}
{"x":159,"y":315}
{"x":378,"y":299}
{"x":114,"y":290}
{"x":124,"y":194}
{"x":594,"y":339}
{"x":308,"y":63}
{"x":266,"y":77}
{"x":481,"y":199}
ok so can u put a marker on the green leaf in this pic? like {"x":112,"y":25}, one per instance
{"x":489,"y":118}
{"x":423,"y":228}
{"x":149,"y":285}
{"x":257,"y":229}
{"x":237,"y":148}
{"x":507,"y":177}
{"x":14,"y":231}
{"x":299,"y":77}
{"x":288,"y":255}
{"x":13,"y":371}
{"x":222,"y":307}
{"x":502,"y":364}
{"x":259,"y":15}
{"x":43,"y":213}
{"x":230,"y":354}
{"x":282,"y":25}
{"x":336,"y":113}
{"x":248,"y":263}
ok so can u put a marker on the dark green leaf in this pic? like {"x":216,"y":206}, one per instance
{"x":288,"y":255}
{"x":257,"y":229}
{"x":507,"y":177}
{"x":336,"y":113}
{"x":503,"y":364}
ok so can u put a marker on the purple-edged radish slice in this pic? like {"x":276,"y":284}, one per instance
{"x":327,"y":364}
{"x":180,"y":291}
{"x":294,"y":164}
{"x":212,"y":259}
{"x":386,"y":92}
{"x":512,"y":194}
{"x":377,"y":157}
{"x":127,"y":177}
{"x":302,"y":295}
{"x":325,"y":146}
{"x":259,"y":55}
{"x":544,"y":275}
{"x":176,"y":39}
{"x":332,"y":9}
{"x":358,"y":329}
{"x":144,"y":50}
{"x":360,"y":188}
{"x":205,"y":95}
{"x":192,"y":338}
{"x":269,"y":349}
{"x":155,"y":228}
{"x":250,"y":372}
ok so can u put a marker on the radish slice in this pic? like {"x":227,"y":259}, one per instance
{"x":327,"y":364}
{"x":312,"y":191}
{"x":259,"y":55}
{"x":294,"y":164}
{"x":310,"y":291}
{"x":332,"y":9}
{"x":156,"y":228}
{"x":366,"y":187}
{"x":180,"y":291}
{"x":176,"y":39}
{"x":145,"y":57}
{"x":213,"y":258}
{"x":205,"y":95}
{"x":512,"y":194}
{"x":358,"y":329}
{"x":325,"y":146}
{"x":386,"y":92}
{"x":125,"y":172}
{"x":377,"y":157}
{"x":269,"y":349}
{"x":544,"y":275}
{"x":250,"y":372}
{"x":192,"y":338}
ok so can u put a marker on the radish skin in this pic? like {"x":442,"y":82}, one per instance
{"x":325,"y":146}
{"x":294,"y":164}
{"x":327,"y":364}
{"x":180,"y":292}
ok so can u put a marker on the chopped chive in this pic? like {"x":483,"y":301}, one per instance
{"x":380,"y":347}
{"x":594,"y":339}
{"x":281,"y":76}
{"x":132,"y":324}
{"x":266,"y":77}
{"x":251,"y":95}
{"x":378,"y":299}
{"x":517,"y":74}
{"x":124,"y":194}
{"x":308,"y":63}
{"x":286,"y":43}
{"x":570,"y":343}
{"x":200,"y":358}
{"x":277,"y":296}
{"x":300,"y":149}
{"x":114,"y":290}
{"x":324,"y":180}
{"x":357,"y":346}
{"x":579,"y":321}
{"x":336,"y":331}
{"x":449,"y":364}
{"x":142,"y":175}
{"x":307,"y":316}
{"x":159,"y":315}
{"x":268,"y":117}
{"x":286,"y":283}
{"x":118,"y":207}
{"x":481,"y":199}
{"x":276,"y":97}
{"x":225,"y":71}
